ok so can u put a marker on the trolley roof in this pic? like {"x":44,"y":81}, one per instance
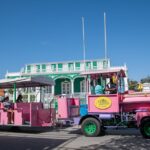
{"x":36,"y":81}
{"x":105,"y":71}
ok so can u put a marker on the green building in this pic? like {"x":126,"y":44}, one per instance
{"x":67,"y":76}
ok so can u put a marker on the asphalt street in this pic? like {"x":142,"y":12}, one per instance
{"x":71,"y":139}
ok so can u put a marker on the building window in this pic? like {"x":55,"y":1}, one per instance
{"x":28,"y":69}
{"x":48,"y":89}
{"x":43,"y":68}
{"x":94,"y":64}
{"x":82,"y":86}
{"x":29,"y":90}
{"x":105,"y":64}
{"x":38,"y":68}
{"x":88,"y":65}
{"x":53,"y":67}
{"x":60,"y":66}
{"x":70,"y":66}
{"x":25,"y":98}
{"x":77,"y":64}
{"x":65,"y":87}
{"x":32,"y":98}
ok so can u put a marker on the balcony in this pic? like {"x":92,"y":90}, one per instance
{"x":64,"y":67}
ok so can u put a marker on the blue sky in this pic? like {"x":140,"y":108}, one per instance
{"x":33,"y":31}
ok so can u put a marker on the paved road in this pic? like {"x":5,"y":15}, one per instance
{"x":71,"y":139}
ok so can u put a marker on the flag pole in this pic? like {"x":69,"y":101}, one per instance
{"x":83,"y":38}
{"x":105,"y":35}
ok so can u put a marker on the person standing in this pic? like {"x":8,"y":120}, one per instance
{"x":8,"y":107}
{"x":99,"y":89}
{"x":19,"y":98}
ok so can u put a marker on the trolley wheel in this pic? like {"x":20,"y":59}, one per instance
{"x":145,"y":128}
{"x":91,"y":127}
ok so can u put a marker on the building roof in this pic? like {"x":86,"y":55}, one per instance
{"x":105,"y":71}
{"x":26,"y":82}
{"x":69,"y":61}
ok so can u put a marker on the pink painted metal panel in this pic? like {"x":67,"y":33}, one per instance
{"x":74,"y":111}
{"x":128,"y":107}
{"x":68,"y":107}
{"x":4,"y":118}
{"x":18,"y":120}
{"x":34,"y":114}
{"x":136,"y":99}
{"x":77,"y":101}
{"x":44,"y":117}
{"x":140,"y":115}
{"x":24,"y":109}
{"x":135,"y":103}
{"x":62,"y":108}
{"x":73,"y":106}
{"x":52,"y":116}
{"x":114,"y":108}
{"x":40,"y":116}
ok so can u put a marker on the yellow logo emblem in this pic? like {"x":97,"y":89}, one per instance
{"x":102,"y":102}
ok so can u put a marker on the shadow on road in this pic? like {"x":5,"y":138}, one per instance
{"x":122,"y":132}
{"x":124,"y":143}
{"x":35,"y":130}
{"x":23,"y":143}
{"x":121,"y":139}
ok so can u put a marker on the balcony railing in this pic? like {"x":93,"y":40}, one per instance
{"x":59,"y":70}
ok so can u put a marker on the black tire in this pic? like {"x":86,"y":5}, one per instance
{"x":89,"y":131}
{"x":145,"y":128}
{"x":102,"y":131}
